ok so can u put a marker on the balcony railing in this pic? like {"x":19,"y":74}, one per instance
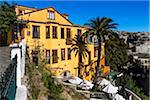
{"x":68,"y":41}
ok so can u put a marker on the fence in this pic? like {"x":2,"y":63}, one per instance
{"x":11,"y":86}
{"x":8,"y":81}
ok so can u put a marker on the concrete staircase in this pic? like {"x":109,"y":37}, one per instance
{"x":4,"y":58}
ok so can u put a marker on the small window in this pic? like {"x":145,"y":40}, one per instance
{"x":89,"y":53}
{"x":69,"y":53}
{"x":36,"y":31}
{"x":62,"y":54}
{"x":51,"y":15}
{"x":91,"y":39}
{"x":95,"y":52}
{"x":47,"y":56}
{"x":47,"y":32}
{"x":20,"y":12}
{"x":145,"y":61}
{"x":142,"y":63}
{"x":35,"y":57}
{"x":54,"y":29}
{"x":79,"y":31}
{"x":54,"y":56}
{"x":62,"y":33}
{"x":68,"y":33}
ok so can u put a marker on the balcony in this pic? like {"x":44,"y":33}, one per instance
{"x":68,"y":41}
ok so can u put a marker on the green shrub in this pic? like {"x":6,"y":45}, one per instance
{"x":127,"y":81}
{"x":54,"y":89}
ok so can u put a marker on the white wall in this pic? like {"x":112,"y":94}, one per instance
{"x":20,"y":51}
{"x":143,"y":48}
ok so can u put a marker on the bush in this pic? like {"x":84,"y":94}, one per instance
{"x":128,"y":82}
{"x":53,"y":88}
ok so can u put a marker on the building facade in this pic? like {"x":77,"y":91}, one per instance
{"x":52,"y":32}
{"x":144,"y":60}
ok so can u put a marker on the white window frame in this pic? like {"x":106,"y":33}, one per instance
{"x":51,"y":15}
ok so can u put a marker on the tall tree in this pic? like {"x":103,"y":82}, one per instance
{"x":100,"y":27}
{"x":116,"y":52}
{"x":7,"y":20}
{"x":80,"y":48}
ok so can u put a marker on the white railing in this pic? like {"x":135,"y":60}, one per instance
{"x":132,"y":94}
{"x":19,"y":50}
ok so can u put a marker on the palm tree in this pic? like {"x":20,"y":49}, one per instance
{"x":100,"y":27}
{"x":79,"y":46}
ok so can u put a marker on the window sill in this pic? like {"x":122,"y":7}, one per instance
{"x":55,"y":63}
{"x":35,"y":38}
{"x":50,"y":19}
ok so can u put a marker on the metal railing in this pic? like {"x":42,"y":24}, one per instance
{"x":8,"y":81}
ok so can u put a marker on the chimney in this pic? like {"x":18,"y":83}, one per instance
{"x":65,"y":15}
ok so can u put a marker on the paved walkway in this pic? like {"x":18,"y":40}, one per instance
{"x":4,"y":59}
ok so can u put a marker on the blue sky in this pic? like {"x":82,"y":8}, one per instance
{"x":130,"y":15}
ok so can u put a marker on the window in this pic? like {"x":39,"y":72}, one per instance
{"x":36,"y":31}
{"x":54,"y":56}
{"x":69,"y":53}
{"x":48,"y":56}
{"x":89,"y":56}
{"x":62,"y":33}
{"x":54,"y":29}
{"x":68,"y":33}
{"x":35,"y":57}
{"x":79,"y":31}
{"x":91,"y":39}
{"x":20,"y":12}
{"x":145,"y":61}
{"x":51,"y":15}
{"x":62,"y":54}
{"x":47,"y":32}
{"x":95,"y":52}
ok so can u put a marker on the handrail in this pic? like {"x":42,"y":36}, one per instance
{"x":135,"y":95}
{"x":8,"y":84}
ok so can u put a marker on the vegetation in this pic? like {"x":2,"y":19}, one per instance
{"x":80,"y":48}
{"x":100,"y":27}
{"x":7,"y":20}
{"x":53,"y":88}
{"x":116,"y":57}
{"x":116,"y":52}
{"x":128,"y":82}
{"x":41,"y":84}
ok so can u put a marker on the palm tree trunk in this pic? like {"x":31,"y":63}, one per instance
{"x":97,"y":74}
{"x":79,"y":66}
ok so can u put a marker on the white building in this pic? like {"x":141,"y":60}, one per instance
{"x":144,"y":59}
{"x":143,"y":48}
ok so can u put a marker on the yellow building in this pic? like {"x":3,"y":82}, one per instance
{"x":53,"y":32}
